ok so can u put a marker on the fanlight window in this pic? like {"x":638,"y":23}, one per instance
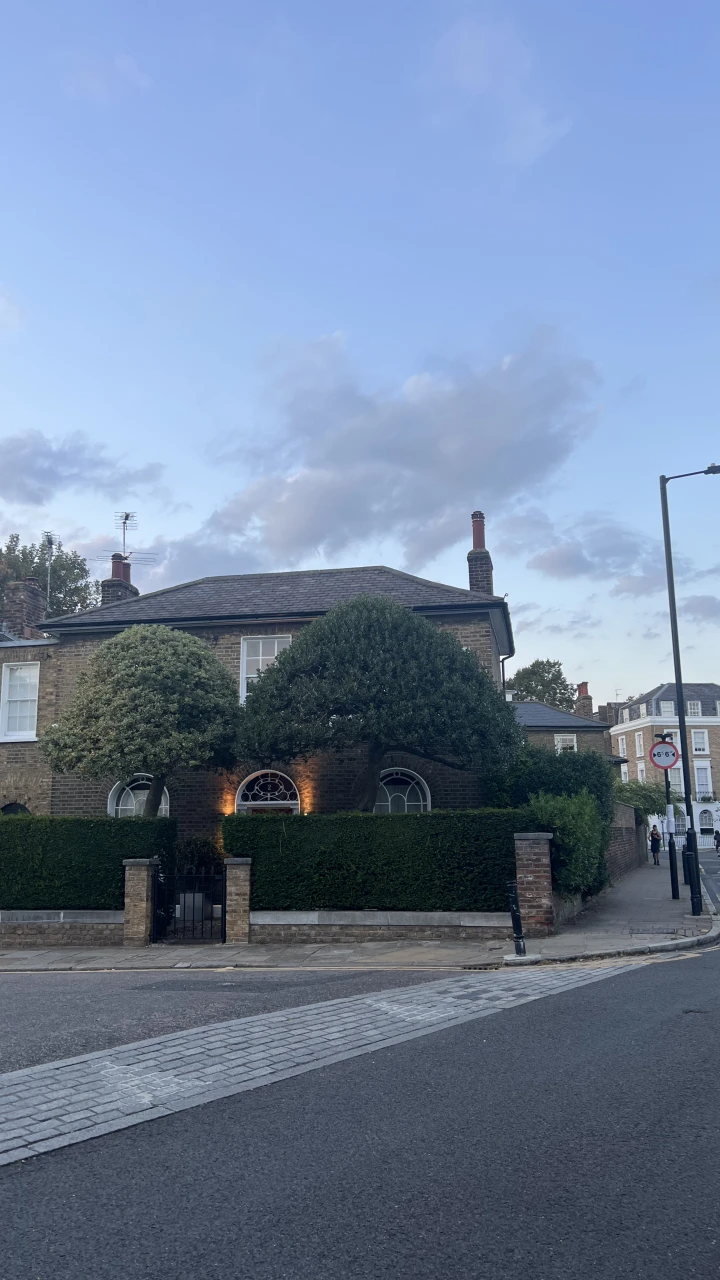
{"x":706,"y":822}
{"x":268,"y":790}
{"x":127,"y":800}
{"x":401,"y":791}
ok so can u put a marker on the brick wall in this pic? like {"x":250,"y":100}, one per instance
{"x":597,"y":742}
{"x":628,"y":843}
{"x":28,"y":935}
{"x":24,"y":777}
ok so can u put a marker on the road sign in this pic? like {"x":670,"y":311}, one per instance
{"x":664,"y":755}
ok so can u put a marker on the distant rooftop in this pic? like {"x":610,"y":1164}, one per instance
{"x":536,"y":715}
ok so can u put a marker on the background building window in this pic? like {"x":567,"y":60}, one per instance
{"x":626,"y":715}
{"x":641,"y":771}
{"x":267,"y":791}
{"x":402,"y":791}
{"x":624,"y":773}
{"x":258,"y":653}
{"x":676,"y":780}
{"x":18,"y":701}
{"x":565,"y":742}
{"x":694,"y":708}
{"x":667,"y":708}
{"x":639,"y":747}
{"x":13,"y":807}
{"x":127,"y":799}
{"x":643,"y":710}
{"x":705,"y":822}
{"x":703,"y":781}
{"x":622,"y":745}
{"x":700,"y":742}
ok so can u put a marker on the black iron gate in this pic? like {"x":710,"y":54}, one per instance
{"x":189,"y":907}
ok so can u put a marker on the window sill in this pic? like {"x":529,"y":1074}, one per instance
{"x":22,"y":737}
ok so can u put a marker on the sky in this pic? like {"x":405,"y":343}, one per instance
{"x":305,"y":284}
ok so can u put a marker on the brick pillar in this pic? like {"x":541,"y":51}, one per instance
{"x":138,"y":901}
{"x":534,"y":882}
{"x":237,"y":900}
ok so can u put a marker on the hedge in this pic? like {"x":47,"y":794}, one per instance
{"x":580,"y":841}
{"x":74,"y":863}
{"x":567,"y":774}
{"x":441,"y":861}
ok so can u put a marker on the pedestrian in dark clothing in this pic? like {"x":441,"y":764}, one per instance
{"x":655,"y":841}
{"x":717,"y":843}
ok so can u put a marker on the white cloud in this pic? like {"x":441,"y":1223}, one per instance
{"x":345,"y":466}
{"x":485,"y":70}
{"x":701,"y":609}
{"x":35,"y":468}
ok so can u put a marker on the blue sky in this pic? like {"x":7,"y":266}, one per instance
{"x":304,"y":284}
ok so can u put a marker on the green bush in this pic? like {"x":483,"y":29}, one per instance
{"x":580,"y":839}
{"x":74,"y":863}
{"x":441,"y":861}
{"x":558,"y":775}
{"x":645,"y":797}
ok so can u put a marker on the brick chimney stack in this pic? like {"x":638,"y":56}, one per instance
{"x":24,"y":609}
{"x":480,"y":566}
{"x":118,"y":586}
{"x":583,"y":702}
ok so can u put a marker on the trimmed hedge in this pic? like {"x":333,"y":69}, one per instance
{"x":580,"y":841}
{"x":539,"y":769}
{"x":74,"y":863}
{"x":441,"y":861}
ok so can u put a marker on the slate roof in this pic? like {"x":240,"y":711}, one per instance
{"x":536,"y":715}
{"x":249,"y":596}
{"x":708,"y":695}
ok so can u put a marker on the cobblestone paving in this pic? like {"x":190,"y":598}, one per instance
{"x":60,"y":1103}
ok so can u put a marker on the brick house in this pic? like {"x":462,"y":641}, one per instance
{"x":655,"y":712}
{"x":246,"y":619}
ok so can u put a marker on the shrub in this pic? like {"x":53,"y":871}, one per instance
{"x":645,"y":797}
{"x":195,"y":853}
{"x":559,"y":775}
{"x":74,"y":863}
{"x":441,"y":861}
{"x":580,"y":839}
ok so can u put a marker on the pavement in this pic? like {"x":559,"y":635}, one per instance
{"x":636,"y":915}
{"x":552,"y":1123}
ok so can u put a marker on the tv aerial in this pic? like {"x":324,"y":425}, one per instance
{"x":127,"y":520}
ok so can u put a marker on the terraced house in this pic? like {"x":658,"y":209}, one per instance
{"x":247,"y":619}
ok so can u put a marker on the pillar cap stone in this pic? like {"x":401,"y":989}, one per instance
{"x":238,"y":862}
{"x":141,"y":862}
{"x":533,"y":835}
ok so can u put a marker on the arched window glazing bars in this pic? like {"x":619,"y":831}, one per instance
{"x":269,"y":790}
{"x":402,"y":791}
{"x":127,"y":799}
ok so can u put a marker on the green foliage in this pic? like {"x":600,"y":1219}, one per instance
{"x":580,"y":839}
{"x":645,"y":797}
{"x":372,"y":673}
{"x":543,"y":681}
{"x":153,"y":701}
{"x":195,"y":853}
{"x":440,"y":861}
{"x":74,"y":863}
{"x":538,"y":769}
{"x":71,"y":587}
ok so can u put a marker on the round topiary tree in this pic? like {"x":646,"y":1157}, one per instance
{"x":153,"y":700}
{"x":373,"y":675}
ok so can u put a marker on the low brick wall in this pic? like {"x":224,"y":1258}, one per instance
{"x":39,"y":929}
{"x":628,"y":843}
{"x":378,"y":926}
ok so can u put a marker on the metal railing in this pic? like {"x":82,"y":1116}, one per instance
{"x":189,"y":907}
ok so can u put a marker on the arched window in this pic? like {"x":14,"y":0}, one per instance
{"x":705,"y":822}
{"x":127,"y":799}
{"x":14,"y":807}
{"x":402,"y":791}
{"x":267,"y":791}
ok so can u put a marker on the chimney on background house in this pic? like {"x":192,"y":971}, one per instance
{"x":24,"y":609}
{"x":480,"y":566}
{"x":118,"y":586}
{"x":583,"y":702}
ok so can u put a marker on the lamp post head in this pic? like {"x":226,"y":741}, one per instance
{"x":712,"y":470}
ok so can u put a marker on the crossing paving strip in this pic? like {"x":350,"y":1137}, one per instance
{"x":71,"y":1100}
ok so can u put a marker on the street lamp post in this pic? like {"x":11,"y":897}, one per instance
{"x":692,"y":850}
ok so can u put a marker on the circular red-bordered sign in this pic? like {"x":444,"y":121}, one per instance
{"x":664,"y":755}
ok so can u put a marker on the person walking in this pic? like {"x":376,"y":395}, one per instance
{"x":717,"y":843}
{"x":655,"y":841}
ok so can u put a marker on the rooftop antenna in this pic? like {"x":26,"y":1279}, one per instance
{"x":125,"y":520}
{"x":49,"y":540}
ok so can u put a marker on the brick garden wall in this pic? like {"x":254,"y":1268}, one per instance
{"x":628,"y":843}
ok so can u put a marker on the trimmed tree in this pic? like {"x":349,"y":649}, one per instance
{"x":543,"y":681}
{"x":374,"y":676}
{"x":154,"y":701}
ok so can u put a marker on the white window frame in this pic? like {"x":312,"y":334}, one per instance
{"x":565,"y":742}
{"x":624,"y":773}
{"x":717,"y":708}
{"x":132,"y":785}
{"x":269,"y":806}
{"x":706,"y":791}
{"x":622,"y":745}
{"x":641,"y":771}
{"x":643,"y":710}
{"x":699,"y":738}
{"x":692,"y":703}
{"x":626,"y":715}
{"x":677,"y":778}
{"x":243,"y":658}
{"x":639,"y":745}
{"x":22,"y":735}
{"x":664,"y":708}
{"x":411,"y":775}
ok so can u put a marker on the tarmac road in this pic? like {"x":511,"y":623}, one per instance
{"x":570,"y":1137}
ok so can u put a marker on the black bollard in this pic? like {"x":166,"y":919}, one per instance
{"x":516,"y":918}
